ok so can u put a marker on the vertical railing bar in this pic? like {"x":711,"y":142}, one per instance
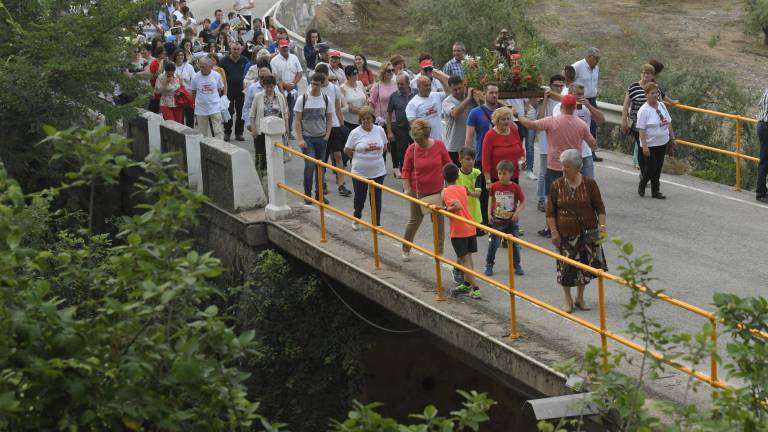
{"x":321,"y":202}
{"x":438,"y":273}
{"x":512,"y":300}
{"x":374,"y":231}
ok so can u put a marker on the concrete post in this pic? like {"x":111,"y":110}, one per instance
{"x":273,"y":129}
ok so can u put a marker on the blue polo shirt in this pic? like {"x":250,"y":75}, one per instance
{"x":480,"y":118}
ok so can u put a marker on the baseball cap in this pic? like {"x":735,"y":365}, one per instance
{"x":425,"y":63}
{"x":335,"y":53}
{"x":569,"y":100}
{"x":283,"y":43}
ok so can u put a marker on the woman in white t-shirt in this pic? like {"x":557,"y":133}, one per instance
{"x":365,"y":145}
{"x":654,"y":125}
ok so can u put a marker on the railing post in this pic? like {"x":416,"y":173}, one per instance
{"x":375,"y":222}
{"x":273,"y":129}
{"x":512,"y":301}
{"x":713,"y":354}
{"x":321,"y":201}
{"x":436,"y":240}
{"x":603,"y":326}
{"x":738,"y":155}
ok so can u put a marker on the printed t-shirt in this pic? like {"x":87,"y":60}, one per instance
{"x":424,"y":168}
{"x":459,"y":229}
{"x":313,"y":114}
{"x":470,"y":182}
{"x":655,"y":124}
{"x":429,"y":108}
{"x":455,"y":127}
{"x":207,"y":99}
{"x":497,"y":147}
{"x":504,"y":199}
{"x":480,"y":118}
{"x":563,"y":132}
{"x":586,"y":117}
{"x":368,"y":147}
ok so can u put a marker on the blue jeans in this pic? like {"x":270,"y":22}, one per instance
{"x":530,"y":138}
{"x":541,"y":188}
{"x":315,"y":149}
{"x":588,"y":167}
{"x":507,"y":228}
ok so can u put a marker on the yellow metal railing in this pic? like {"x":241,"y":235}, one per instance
{"x":737,"y":154}
{"x":601,"y":328}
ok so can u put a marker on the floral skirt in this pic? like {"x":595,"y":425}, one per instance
{"x":575,"y":248}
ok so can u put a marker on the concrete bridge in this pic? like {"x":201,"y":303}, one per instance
{"x":705,"y":238}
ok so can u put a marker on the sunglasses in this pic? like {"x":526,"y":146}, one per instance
{"x":661,"y":116}
{"x":389,"y":70}
{"x":428,"y":69}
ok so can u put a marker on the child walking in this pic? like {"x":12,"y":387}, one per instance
{"x":505,"y":203}
{"x":468,"y":177}
{"x":463,"y":235}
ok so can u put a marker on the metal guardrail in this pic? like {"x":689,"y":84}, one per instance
{"x":601,"y":328}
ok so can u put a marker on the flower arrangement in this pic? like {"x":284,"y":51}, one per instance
{"x":517,"y":77}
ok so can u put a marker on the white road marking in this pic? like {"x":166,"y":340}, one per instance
{"x":634,"y":173}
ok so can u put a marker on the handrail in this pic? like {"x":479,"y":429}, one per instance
{"x":601,"y":329}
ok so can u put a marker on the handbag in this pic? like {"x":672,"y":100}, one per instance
{"x":183,"y":98}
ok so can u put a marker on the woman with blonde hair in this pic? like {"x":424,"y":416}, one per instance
{"x":422,"y":178}
{"x":502,"y":142}
{"x":381,"y":91}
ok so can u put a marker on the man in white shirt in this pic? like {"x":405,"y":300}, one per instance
{"x":426,"y":70}
{"x":207,"y":89}
{"x":287,"y":70}
{"x":427,"y":105}
{"x":587,"y":74}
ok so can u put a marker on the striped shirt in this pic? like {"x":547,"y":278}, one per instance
{"x":763,"y":115}
{"x":637,"y":99}
{"x":454,"y":67}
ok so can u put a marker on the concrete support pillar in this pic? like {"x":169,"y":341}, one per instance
{"x":273,"y":129}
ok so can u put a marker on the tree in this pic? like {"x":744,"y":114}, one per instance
{"x":114,"y":334}
{"x":756,"y":17}
{"x":476,"y":24}
{"x":58,"y":62}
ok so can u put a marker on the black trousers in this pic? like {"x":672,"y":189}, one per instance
{"x":236,"y":110}
{"x":189,"y":117}
{"x":399,"y":145}
{"x":762,"y":166}
{"x":361,"y":194}
{"x":260,"y":151}
{"x":652,"y":167}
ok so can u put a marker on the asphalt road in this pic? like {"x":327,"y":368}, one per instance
{"x":705,"y":238}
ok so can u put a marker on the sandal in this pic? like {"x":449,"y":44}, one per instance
{"x":568,"y":308}
{"x":582,"y":306}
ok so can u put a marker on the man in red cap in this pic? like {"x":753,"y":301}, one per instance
{"x":336,"y":67}
{"x":564,"y":132}
{"x":426,"y":67}
{"x":288,"y":72}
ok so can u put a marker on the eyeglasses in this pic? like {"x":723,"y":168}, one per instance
{"x":389,"y":70}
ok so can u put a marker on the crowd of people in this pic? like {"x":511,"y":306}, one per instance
{"x":448,"y":148}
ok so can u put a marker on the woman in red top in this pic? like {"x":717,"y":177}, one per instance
{"x":502,"y":142}
{"x":423,"y":176}
{"x":365,"y":75}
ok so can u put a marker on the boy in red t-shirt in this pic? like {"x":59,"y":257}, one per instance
{"x":463,"y":235}
{"x":505,"y":203}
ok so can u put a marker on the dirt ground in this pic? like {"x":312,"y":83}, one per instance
{"x":708,"y":30}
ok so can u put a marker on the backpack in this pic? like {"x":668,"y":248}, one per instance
{"x":304,"y":101}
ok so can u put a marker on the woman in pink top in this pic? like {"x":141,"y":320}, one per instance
{"x":381,"y":91}
{"x":422,"y":176}
{"x":502,"y":142}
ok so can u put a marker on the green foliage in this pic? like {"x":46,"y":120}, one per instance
{"x":713,"y":40}
{"x":441,"y":22}
{"x":756,"y":17}
{"x":103,"y":335}
{"x":365,"y":418}
{"x":621,"y":400}
{"x":59,"y":60}
{"x":310,"y":362}
{"x":406,"y":42}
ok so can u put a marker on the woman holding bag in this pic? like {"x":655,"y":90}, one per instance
{"x":265,"y":104}
{"x":576,"y":218}
{"x":422,"y":178}
{"x":654,"y":125}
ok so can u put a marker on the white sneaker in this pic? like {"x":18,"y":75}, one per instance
{"x":532,"y":176}
{"x":355,"y":226}
{"x":406,"y":256}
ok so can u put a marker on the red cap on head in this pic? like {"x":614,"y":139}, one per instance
{"x":425,"y":63}
{"x":569,"y":100}
{"x":335,"y":54}
{"x":283,"y":43}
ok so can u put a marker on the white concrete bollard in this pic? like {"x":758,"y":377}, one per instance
{"x":273,"y":129}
